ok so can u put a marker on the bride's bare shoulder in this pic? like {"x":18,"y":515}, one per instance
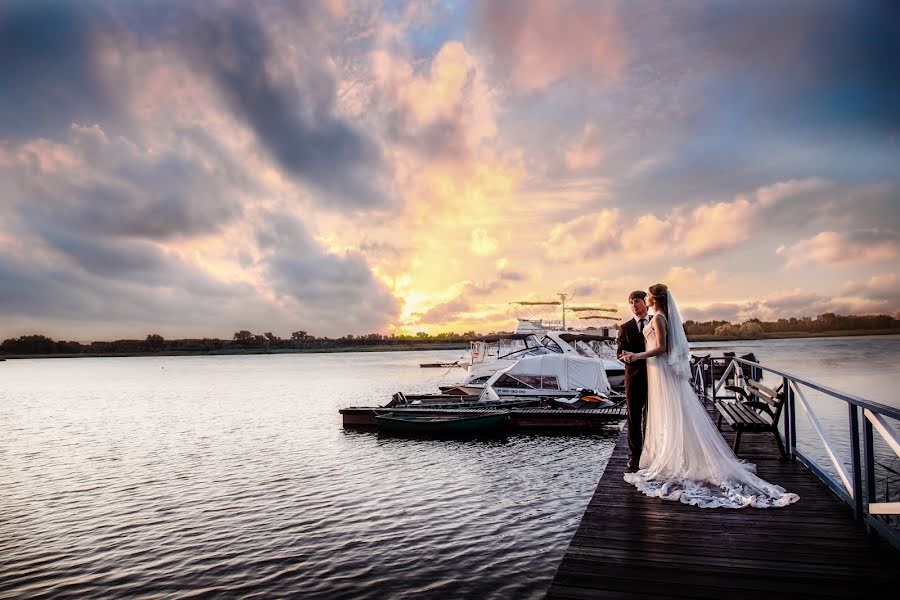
{"x":659,"y":318}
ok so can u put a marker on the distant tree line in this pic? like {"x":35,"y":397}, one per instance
{"x":242,"y":341}
{"x":820,"y":324}
{"x":247,"y":341}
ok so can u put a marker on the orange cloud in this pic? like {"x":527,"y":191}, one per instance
{"x":482,"y":243}
{"x":648,"y":237}
{"x":687,"y":283}
{"x":715,"y":227}
{"x":590,"y":235}
{"x":452,"y":105}
{"x":833,"y":248}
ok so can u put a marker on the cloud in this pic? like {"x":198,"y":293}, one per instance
{"x":486,"y":288}
{"x":611,"y":292}
{"x":461,"y":304}
{"x":585,"y":286}
{"x":649,"y":237}
{"x":67,"y":62}
{"x":773,"y":194}
{"x":687,"y":283}
{"x":106,"y":207}
{"x":878,"y":296}
{"x":710,"y":228}
{"x":884,"y":287}
{"x":716,"y":311}
{"x":127,"y":230}
{"x":50,"y":59}
{"x":701,"y":231}
{"x":880,"y":288}
{"x":792,"y":301}
{"x":804,"y":73}
{"x":384,"y":251}
{"x":337,"y":291}
{"x":150,"y":150}
{"x":293,"y":116}
{"x":586,"y":152}
{"x":481,"y":243}
{"x":591,"y":235}
{"x":512,"y":276}
{"x":716,"y":227}
{"x":541,"y":42}
{"x":446,"y":312}
{"x":444,"y":114}
{"x":835,"y":249}
{"x":97,"y":186}
{"x":177,"y":298}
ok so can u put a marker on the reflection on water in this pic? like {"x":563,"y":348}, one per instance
{"x":232,"y":475}
{"x":169,"y":476}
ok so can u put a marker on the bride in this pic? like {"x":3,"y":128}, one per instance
{"x":685,"y":457}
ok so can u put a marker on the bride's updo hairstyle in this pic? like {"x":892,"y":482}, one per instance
{"x":660,"y":293}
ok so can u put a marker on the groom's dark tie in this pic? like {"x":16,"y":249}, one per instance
{"x":641,"y":325}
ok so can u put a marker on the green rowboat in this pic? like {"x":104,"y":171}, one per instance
{"x":442,"y":424}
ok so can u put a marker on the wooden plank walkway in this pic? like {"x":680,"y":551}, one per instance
{"x":632,"y":546}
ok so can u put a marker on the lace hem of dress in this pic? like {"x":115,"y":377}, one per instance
{"x":711,"y":494}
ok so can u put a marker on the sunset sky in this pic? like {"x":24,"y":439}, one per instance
{"x":196,"y":168}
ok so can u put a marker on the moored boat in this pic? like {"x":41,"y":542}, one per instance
{"x":442,"y":424}
{"x":490,"y":354}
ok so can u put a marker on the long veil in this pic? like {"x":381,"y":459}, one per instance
{"x":679,"y":351}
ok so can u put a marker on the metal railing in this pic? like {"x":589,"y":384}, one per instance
{"x":858,"y":487}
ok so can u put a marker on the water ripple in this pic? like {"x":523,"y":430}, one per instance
{"x":231,"y":476}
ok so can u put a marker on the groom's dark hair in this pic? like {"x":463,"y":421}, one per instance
{"x":637,"y":294}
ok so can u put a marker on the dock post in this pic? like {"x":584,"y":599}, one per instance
{"x":854,"y":457}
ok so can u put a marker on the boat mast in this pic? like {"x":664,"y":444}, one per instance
{"x":563,"y":298}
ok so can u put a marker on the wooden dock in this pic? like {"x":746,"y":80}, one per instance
{"x":632,"y":546}
{"x":520,"y":418}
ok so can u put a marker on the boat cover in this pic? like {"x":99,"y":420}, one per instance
{"x":571,"y":371}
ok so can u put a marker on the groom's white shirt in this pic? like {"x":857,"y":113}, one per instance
{"x":647,"y":318}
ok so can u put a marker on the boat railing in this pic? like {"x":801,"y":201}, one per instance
{"x":877,"y":506}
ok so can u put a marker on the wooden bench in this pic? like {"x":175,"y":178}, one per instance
{"x":756,"y":410}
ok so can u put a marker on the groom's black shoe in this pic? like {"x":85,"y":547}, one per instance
{"x":632,"y":466}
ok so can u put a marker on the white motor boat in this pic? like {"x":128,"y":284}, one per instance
{"x":490,"y":354}
{"x":548,"y":375}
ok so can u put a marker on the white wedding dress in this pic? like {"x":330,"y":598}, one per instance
{"x":685,"y":457}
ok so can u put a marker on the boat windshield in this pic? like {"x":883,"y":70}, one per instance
{"x":506,"y":348}
{"x":552,"y":346}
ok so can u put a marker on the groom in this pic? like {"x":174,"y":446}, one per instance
{"x":631,"y":339}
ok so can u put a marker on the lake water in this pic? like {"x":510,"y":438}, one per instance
{"x":232,"y":476}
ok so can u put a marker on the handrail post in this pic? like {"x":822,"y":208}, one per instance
{"x":869,"y":449}
{"x":712,"y":379}
{"x":854,"y":457}
{"x":790,"y":424}
{"x":787,"y":417}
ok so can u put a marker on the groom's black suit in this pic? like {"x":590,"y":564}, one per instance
{"x":632,"y":340}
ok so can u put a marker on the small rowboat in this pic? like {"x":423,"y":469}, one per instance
{"x":442,"y":424}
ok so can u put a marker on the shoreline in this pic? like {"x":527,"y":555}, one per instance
{"x":433,"y":346}
{"x":249,"y":351}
